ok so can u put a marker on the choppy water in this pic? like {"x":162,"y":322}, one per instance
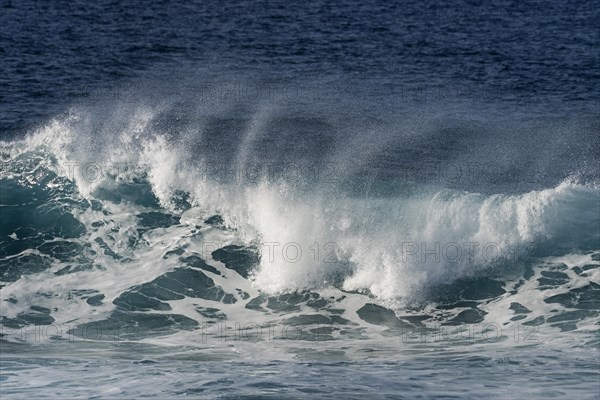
{"x":328,"y":201}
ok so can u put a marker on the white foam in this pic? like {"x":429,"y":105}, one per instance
{"x":320,"y":235}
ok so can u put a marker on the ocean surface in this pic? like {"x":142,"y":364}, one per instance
{"x":324,"y":200}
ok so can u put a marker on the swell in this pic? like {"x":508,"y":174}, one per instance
{"x":390,"y":238}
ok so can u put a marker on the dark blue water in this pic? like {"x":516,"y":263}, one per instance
{"x":261,"y":199}
{"x":542,"y":55}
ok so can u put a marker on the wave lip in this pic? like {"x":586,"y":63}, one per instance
{"x":398,"y":247}
{"x":318,"y":235}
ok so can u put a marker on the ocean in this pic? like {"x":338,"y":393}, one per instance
{"x":261,"y":199}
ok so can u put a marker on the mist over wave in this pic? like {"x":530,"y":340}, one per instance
{"x":324,"y":198}
{"x":266,"y":199}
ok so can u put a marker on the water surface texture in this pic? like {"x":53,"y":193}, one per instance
{"x":322,"y":200}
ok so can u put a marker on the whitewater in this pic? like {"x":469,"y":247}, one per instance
{"x":156,"y":236}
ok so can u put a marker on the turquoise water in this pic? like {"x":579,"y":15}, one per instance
{"x":325,"y":201}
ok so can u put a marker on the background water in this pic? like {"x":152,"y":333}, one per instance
{"x":332,"y":199}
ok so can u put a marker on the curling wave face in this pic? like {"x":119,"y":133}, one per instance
{"x":115,"y":215}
